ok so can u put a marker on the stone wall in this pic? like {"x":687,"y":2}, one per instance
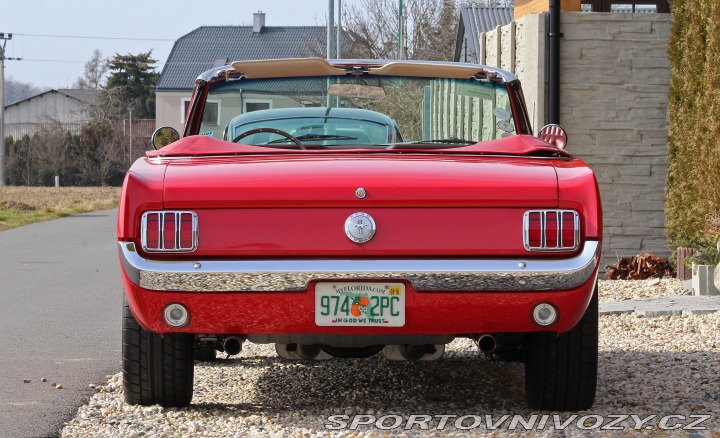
{"x":613,"y":102}
{"x":614,"y":83}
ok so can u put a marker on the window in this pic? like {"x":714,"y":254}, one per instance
{"x":210,"y":116}
{"x":630,"y":6}
{"x":184,"y":110}
{"x":256,"y":105}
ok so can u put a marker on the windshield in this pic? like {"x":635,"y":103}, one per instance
{"x":360,"y":110}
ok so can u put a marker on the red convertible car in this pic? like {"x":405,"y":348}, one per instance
{"x":341,"y":209}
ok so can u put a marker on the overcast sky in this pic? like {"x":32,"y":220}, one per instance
{"x":56,"y":62}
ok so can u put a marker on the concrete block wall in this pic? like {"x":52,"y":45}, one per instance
{"x":614,"y":82}
{"x":613,"y":103}
{"x":518,"y":48}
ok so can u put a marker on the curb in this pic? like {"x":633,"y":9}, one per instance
{"x":677,"y":305}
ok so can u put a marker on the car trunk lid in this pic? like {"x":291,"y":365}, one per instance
{"x":392,"y":180}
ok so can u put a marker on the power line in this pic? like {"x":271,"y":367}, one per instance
{"x":82,"y":62}
{"x":94,"y":37}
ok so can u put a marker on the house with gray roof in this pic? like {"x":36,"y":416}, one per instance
{"x":70,"y":108}
{"x":212,"y":46}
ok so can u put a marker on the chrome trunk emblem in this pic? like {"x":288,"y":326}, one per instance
{"x":360,"y":227}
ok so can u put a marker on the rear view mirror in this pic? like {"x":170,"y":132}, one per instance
{"x":555,"y":135}
{"x":164,"y":136}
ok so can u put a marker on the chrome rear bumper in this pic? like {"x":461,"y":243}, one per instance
{"x":423,"y":274}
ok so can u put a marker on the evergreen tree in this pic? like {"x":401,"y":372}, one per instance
{"x":131,"y":85}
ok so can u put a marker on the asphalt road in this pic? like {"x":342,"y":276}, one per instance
{"x":60,"y":310}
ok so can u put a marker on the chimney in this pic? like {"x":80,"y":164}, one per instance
{"x":258,"y":21}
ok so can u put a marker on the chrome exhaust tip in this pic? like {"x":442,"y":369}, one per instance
{"x":486,"y":343}
{"x":232,"y":345}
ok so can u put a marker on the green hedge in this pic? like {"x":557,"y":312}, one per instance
{"x":693,"y":183}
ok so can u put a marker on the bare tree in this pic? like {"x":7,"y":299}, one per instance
{"x":53,"y":142}
{"x":95,"y":70}
{"x":430,"y":28}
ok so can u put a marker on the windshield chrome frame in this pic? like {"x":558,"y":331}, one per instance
{"x":509,"y":80}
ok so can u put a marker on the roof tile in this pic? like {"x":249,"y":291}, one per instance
{"x":199,"y":50}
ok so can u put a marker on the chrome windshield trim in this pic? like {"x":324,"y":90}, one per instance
{"x":423,"y":274}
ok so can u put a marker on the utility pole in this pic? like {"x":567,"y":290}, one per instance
{"x":401,"y":43}
{"x":339,"y":30}
{"x":330,"y":28}
{"x":329,"y":45}
{"x":4,"y":37}
{"x":339,"y":40}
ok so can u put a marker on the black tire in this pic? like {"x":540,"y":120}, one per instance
{"x":510,"y":353}
{"x":561,"y":371}
{"x":156,"y":369}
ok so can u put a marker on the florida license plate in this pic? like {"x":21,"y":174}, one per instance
{"x":360,"y":304}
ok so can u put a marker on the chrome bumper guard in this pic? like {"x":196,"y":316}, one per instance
{"x":423,"y":274}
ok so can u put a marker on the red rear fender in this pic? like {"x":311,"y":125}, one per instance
{"x":142,"y":191}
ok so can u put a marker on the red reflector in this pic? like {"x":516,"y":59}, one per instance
{"x":535,"y":229}
{"x":186,"y":230}
{"x":169,"y":231}
{"x":551,"y":229}
{"x":568,"y":229}
{"x":153,"y":231}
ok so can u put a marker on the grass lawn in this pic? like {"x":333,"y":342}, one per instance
{"x":24,"y":205}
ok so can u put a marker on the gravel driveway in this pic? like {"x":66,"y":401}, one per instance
{"x":651,"y":368}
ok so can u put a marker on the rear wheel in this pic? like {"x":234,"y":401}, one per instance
{"x":156,"y":369}
{"x":510,"y":353}
{"x":561,"y":371}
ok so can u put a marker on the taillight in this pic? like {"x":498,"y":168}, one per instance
{"x":169,"y":231}
{"x":551,"y":230}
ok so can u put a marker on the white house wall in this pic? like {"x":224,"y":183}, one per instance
{"x":169,"y":107}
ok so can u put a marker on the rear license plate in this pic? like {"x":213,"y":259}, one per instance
{"x":360,"y":304}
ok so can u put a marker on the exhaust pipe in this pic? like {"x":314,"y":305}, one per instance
{"x":486,"y":343}
{"x":232,"y":345}
{"x":308,"y":351}
{"x":413,"y":352}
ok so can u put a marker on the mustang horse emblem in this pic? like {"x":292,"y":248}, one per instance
{"x":360,"y":227}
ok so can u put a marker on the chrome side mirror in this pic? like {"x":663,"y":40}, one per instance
{"x":554,"y":134}
{"x":163,"y":136}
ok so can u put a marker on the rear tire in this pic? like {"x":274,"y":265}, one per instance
{"x":561,"y":371}
{"x":510,"y":353}
{"x":156,"y":369}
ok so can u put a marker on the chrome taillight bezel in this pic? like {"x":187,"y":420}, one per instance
{"x":178,"y":247}
{"x":544,"y":247}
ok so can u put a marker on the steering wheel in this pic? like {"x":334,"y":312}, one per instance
{"x":297,"y":142}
